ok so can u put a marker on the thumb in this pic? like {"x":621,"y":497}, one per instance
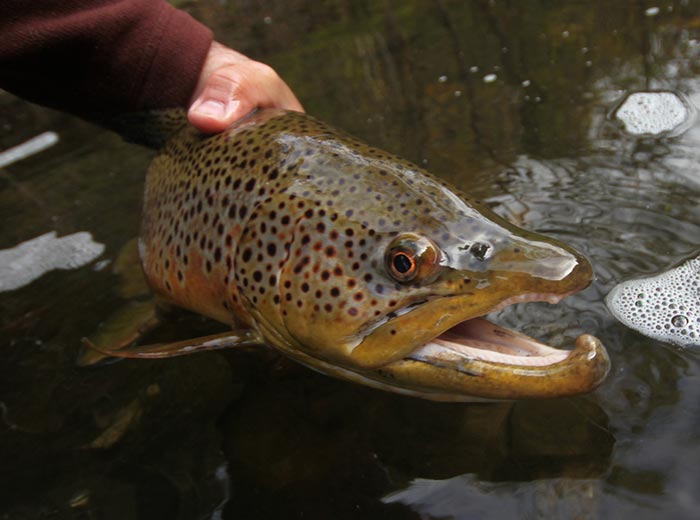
{"x":233,"y":87}
{"x":220,"y":102}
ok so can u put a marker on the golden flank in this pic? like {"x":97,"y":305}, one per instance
{"x":354,"y":262}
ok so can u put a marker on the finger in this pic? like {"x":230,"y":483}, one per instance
{"x":265,"y":88}
{"x":233,"y":90}
{"x":217,"y":105}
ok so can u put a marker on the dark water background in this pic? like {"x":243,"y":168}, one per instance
{"x":245,"y":435}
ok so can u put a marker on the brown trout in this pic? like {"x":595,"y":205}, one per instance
{"x":354,"y":262}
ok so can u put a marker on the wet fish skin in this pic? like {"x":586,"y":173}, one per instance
{"x":287,"y":226}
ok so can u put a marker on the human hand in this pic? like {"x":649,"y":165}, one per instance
{"x":231,"y":85}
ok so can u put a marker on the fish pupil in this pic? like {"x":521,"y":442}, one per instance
{"x":402,"y":263}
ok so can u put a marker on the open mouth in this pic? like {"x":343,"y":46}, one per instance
{"x":479,"y":339}
{"x":475,"y":358}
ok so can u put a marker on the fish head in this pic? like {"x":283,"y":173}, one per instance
{"x":385,"y":262}
{"x":441,"y":277}
{"x":370,"y":297}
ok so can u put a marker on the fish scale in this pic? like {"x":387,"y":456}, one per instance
{"x":351,"y":260}
{"x":265,"y":203}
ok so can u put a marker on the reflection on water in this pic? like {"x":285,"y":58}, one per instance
{"x":511,"y":102}
{"x":326,"y":452}
{"x":467,"y":497}
{"x":33,"y":146}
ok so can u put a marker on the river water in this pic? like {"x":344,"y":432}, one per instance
{"x":514,"y":102}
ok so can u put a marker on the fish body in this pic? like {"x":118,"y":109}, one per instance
{"x":356,"y":262}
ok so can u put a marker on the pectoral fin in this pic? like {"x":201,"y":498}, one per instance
{"x":229,"y":339}
{"x":125,"y":326}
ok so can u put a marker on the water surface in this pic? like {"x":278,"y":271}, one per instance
{"x":511,"y":101}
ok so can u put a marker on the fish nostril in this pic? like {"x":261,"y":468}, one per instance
{"x":479,"y":250}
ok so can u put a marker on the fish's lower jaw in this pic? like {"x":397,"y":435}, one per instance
{"x":450,"y":376}
{"x":581,"y":371}
{"x":465,"y":371}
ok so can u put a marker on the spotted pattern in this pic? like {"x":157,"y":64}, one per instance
{"x":282,"y":223}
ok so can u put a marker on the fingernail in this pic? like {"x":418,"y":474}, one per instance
{"x":212,"y":108}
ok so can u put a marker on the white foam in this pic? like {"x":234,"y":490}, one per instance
{"x":652,"y":113}
{"x":24,"y":263}
{"x":665,"y":307}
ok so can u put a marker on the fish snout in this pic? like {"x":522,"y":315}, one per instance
{"x":546,"y":267}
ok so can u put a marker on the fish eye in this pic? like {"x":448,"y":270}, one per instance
{"x":403,"y":265}
{"x":412,"y":257}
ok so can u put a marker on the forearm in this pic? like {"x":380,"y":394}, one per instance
{"x":97,"y":58}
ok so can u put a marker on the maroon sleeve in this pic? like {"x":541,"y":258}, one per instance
{"x":98,"y":58}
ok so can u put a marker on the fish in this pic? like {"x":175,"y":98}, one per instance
{"x":353,"y":262}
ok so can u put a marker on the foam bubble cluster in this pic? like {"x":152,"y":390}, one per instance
{"x":24,"y":263}
{"x":652,"y":113}
{"x":665,"y":307}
